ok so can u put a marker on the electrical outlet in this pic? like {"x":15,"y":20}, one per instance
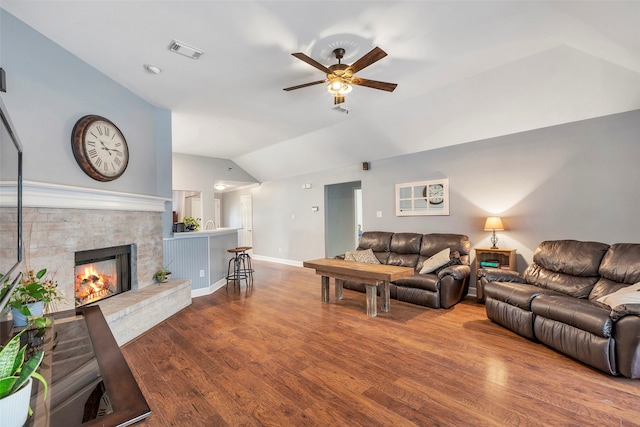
{"x":201,"y":273}
{"x":379,"y":214}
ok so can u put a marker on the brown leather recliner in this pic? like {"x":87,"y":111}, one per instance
{"x":443,"y":289}
{"x":555,"y":301}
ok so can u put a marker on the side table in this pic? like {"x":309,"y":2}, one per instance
{"x":504,"y":257}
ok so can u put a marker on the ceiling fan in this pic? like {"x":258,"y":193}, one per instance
{"x":341,"y":76}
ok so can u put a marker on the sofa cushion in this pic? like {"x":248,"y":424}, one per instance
{"x":436,"y":261}
{"x":517,"y":294}
{"x":575,"y":286}
{"x":579,"y":313}
{"x":620,"y":268}
{"x":366,"y":256}
{"x":570,"y":257}
{"x":566,"y":266}
{"x":626,"y":295}
{"x":403,"y":260}
{"x":377,"y":241}
{"x":428,"y":282}
{"x":405,"y":243}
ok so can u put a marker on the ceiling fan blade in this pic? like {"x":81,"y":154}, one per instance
{"x":304,"y":85}
{"x":374,"y":55}
{"x":389,"y":87}
{"x":301,"y":56}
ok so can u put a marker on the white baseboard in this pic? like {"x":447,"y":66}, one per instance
{"x":195,"y":293}
{"x":277,"y":260}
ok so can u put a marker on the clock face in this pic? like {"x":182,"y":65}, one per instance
{"x":436,"y":194}
{"x":100,"y":148}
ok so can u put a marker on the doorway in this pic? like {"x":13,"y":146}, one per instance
{"x":343,"y":208}
{"x":246,"y":209}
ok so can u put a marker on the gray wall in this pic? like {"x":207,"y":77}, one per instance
{"x":573,"y":181}
{"x":49,"y":89}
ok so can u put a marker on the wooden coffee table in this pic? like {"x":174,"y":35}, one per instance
{"x":372,"y":275}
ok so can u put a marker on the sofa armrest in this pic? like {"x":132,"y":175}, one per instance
{"x":620,"y":311}
{"x":499,"y":275}
{"x":459,"y":272}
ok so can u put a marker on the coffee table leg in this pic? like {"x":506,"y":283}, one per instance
{"x":385,"y":304}
{"x":371,"y":300}
{"x":325,"y":290}
{"x":338,"y":289}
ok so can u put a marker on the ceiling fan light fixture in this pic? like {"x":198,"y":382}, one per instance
{"x":339,"y":87}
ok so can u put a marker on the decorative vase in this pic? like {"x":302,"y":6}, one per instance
{"x":36,"y":309}
{"x":15,"y":407}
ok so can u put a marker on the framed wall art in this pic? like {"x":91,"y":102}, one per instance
{"x":423,"y":198}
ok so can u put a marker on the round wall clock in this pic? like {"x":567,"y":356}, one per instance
{"x":435,"y":193}
{"x":99,"y":148}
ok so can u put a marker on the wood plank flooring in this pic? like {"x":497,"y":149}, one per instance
{"x":275,"y":355}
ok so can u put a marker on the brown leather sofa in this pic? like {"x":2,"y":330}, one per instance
{"x":441,"y":289}
{"x":555,"y":301}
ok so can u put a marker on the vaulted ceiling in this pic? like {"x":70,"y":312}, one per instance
{"x":466,"y":70}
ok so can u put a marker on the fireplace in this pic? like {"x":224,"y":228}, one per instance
{"x":102,"y":273}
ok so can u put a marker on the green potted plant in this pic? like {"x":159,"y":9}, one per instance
{"x":16,"y":379}
{"x":192,"y":224}
{"x":37,"y":293}
{"x":162,"y":275}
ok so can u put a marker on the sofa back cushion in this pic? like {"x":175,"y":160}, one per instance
{"x":378,"y":241}
{"x":405,"y":249}
{"x":566,"y":266}
{"x":435,"y":242}
{"x":619,"y":268}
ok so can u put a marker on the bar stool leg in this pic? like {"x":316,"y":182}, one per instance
{"x":246,"y":265}
{"x":235,"y":273}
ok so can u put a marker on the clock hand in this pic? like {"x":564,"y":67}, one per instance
{"x":104,"y":147}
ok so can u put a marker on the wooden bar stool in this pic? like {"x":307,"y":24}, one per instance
{"x":236,"y":270}
{"x":246,"y":263}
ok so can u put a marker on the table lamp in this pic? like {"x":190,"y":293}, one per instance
{"x":493,"y":223}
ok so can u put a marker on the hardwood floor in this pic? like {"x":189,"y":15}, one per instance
{"x":277,"y":356}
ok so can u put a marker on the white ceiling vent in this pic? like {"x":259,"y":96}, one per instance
{"x":186,"y":50}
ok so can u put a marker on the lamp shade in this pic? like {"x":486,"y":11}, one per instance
{"x":493,"y":223}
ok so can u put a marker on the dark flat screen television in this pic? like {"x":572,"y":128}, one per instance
{"x":10,"y":204}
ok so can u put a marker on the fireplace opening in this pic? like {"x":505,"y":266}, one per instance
{"x":102,"y":273}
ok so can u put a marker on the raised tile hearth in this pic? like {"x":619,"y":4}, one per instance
{"x":135,"y":312}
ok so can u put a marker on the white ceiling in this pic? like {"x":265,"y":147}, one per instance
{"x":466,"y":70}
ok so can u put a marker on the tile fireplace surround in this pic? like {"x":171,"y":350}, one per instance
{"x":53,"y":235}
{"x":57,"y":224}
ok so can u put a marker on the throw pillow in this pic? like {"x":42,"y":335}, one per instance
{"x":436,"y":261}
{"x":366,"y":256}
{"x":349,"y":256}
{"x":454,"y":259}
{"x":628,"y":295}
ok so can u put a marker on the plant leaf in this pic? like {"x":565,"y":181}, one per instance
{"x":41,"y":273}
{"x":28,"y":370}
{"x":6,"y":385}
{"x":8,"y":356}
{"x":44,"y":383}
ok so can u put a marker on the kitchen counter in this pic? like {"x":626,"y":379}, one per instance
{"x":201,"y":257}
